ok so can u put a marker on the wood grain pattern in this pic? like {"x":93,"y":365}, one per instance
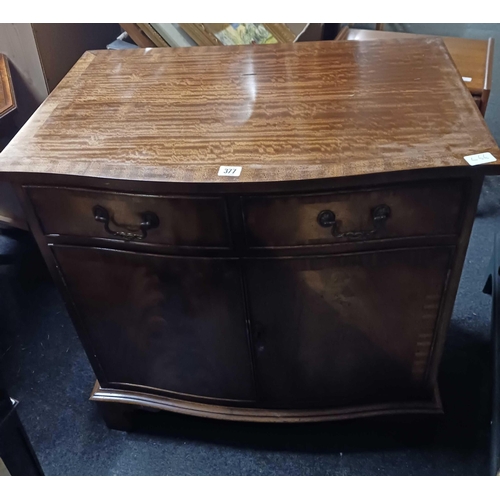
{"x":324,"y":328}
{"x":416,"y":210}
{"x":282,"y":112}
{"x":152,"y":35}
{"x":472,"y":57}
{"x":183,"y":221}
{"x":279,"y":333}
{"x":454,"y":278}
{"x":163,"y":323}
{"x":7,"y":96}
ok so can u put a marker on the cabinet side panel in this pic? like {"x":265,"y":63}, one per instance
{"x":453,"y":281}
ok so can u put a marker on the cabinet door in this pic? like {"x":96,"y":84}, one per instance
{"x":170,"y":323}
{"x":348,"y":329}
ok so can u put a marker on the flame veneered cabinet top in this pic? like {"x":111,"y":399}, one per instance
{"x":316,"y":285}
{"x":282,"y":112}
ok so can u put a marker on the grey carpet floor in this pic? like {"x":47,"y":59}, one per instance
{"x":46,"y":368}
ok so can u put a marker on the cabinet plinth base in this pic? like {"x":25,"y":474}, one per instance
{"x":119,"y":419}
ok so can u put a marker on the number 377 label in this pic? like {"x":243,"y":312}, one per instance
{"x":230,"y":171}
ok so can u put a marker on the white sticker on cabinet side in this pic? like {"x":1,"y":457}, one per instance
{"x":479,"y":159}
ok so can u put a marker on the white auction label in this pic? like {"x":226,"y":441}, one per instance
{"x":230,"y":171}
{"x":479,"y":159}
{"x":466,"y":78}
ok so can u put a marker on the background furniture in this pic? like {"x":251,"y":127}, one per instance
{"x":280,"y":293}
{"x":40,"y":55}
{"x":191,"y":34}
{"x":16,"y":453}
{"x":11,"y":213}
{"x":7,"y":96}
{"x":17,"y":457}
{"x":474,"y":58}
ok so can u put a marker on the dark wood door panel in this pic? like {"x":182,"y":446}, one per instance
{"x":414,"y":210}
{"x":169,"y":323}
{"x":349,"y":329}
{"x":182,"y":221}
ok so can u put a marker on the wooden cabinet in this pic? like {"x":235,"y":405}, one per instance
{"x":348,"y":329}
{"x":322,"y":331}
{"x":315,"y":284}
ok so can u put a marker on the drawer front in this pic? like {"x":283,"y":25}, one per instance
{"x":389,"y":212}
{"x":177,"y":221}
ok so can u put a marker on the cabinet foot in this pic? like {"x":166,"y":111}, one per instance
{"x":117,"y":416}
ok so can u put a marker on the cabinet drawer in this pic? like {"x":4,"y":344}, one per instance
{"x":179,"y":221}
{"x":389,"y":212}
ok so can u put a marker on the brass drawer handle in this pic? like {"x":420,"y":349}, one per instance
{"x":149,"y":221}
{"x":380,"y":214}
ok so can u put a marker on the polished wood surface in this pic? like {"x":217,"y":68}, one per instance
{"x":473,"y":58}
{"x":282,"y":112}
{"x":353,"y":334}
{"x":323,"y":329}
{"x":7,"y":96}
{"x":245,"y":301}
{"x":119,"y":402}
{"x":182,"y":221}
{"x":167,"y":323}
{"x":416,"y":210}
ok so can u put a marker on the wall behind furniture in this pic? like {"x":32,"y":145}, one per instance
{"x":17,"y":42}
{"x":39,"y":56}
{"x":61,"y":45}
